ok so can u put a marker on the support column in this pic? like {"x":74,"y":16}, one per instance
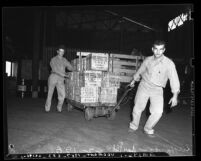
{"x":5,"y":115}
{"x":36,"y":51}
{"x":19,"y":68}
{"x":53,"y":29}
{"x":121,"y":46}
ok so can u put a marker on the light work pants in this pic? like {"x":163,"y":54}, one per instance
{"x":155,"y":94}
{"x":58,"y":82}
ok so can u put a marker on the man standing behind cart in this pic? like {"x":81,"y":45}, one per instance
{"x":58,"y":65}
{"x":155,"y":71}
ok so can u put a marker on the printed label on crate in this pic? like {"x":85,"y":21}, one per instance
{"x":89,"y":100}
{"x":97,"y":61}
{"x":92,"y":78}
{"x":89,"y":94}
{"x":89,"y":91}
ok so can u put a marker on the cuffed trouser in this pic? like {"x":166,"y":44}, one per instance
{"x":146,"y":91}
{"x":58,"y":81}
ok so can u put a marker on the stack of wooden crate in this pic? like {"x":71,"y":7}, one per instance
{"x":109,"y":88}
{"x":84,"y":86}
{"x":73,"y":85}
{"x":95,"y":85}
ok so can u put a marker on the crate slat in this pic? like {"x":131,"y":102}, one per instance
{"x":124,"y":56}
{"x":125,"y":79}
{"x":118,"y":70}
{"x":121,"y":62}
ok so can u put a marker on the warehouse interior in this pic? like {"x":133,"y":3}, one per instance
{"x":30,"y":38}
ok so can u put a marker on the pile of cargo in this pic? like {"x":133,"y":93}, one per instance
{"x":92,"y":83}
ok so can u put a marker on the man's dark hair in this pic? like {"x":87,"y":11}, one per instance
{"x":61,"y":47}
{"x":159,"y":42}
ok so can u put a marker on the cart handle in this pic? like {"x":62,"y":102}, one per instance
{"x":128,"y":88}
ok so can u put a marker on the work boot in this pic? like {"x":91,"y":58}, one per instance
{"x":131,"y":130}
{"x":59,"y":109}
{"x":149,"y":133}
{"x":47,"y":109}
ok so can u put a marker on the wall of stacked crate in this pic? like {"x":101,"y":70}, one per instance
{"x":92,"y":84}
{"x":98,"y":77}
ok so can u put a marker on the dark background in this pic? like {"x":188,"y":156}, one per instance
{"x":93,"y":28}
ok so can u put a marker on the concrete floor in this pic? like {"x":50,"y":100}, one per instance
{"x":31,"y":130}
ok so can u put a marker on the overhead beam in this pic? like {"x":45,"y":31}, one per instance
{"x":91,"y":21}
{"x":130,"y":20}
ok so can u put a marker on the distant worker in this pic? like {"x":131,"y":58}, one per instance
{"x":155,"y":71}
{"x":56,"y":79}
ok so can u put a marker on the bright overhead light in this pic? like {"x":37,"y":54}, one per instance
{"x":178,"y":21}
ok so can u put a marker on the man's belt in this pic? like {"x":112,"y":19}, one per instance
{"x":58,"y":74}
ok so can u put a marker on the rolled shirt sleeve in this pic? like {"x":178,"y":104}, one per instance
{"x":174,"y":79}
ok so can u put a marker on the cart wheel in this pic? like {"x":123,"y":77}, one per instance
{"x":69,"y":107}
{"x":112,"y":116}
{"x":88,"y":113}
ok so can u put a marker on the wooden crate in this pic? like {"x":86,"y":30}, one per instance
{"x":108,"y":95}
{"x":97,"y":61}
{"x":110,"y":79}
{"x":90,"y":94}
{"x":79,"y":66}
{"x":76,"y":79}
{"x":77,"y":94}
{"x":124,"y":65}
{"x":123,"y":61}
{"x":69,"y":92}
{"x":92,"y":78}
